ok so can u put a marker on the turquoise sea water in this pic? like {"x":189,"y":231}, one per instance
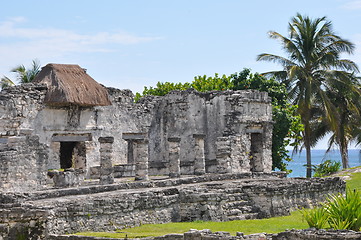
{"x":298,"y":170}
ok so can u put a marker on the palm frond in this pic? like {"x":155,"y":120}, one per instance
{"x":6,"y":82}
{"x":274,"y":58}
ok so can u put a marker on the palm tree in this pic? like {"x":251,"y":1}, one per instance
{"x":348,"y":126}
{"x":23,"y":75}
{"x":348,"y":106}
{"x":311,"y":68}
{"x":27,"y":75}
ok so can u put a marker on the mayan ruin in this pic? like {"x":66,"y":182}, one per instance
{"x":77,"y":156}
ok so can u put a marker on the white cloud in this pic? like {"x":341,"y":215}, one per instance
{"x":353,"y":5}
{"x":61,"y":41}
{"x":21,"y":44}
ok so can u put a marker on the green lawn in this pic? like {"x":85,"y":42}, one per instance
{"x":270,"y":225}
{"x":355,"y":181}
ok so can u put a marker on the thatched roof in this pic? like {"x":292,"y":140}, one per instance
{"x":70,"y":84}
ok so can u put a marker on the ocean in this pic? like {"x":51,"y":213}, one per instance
{"x":298,"y":170}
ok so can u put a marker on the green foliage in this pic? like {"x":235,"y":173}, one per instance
{"x":326,"y":168}
{"x":344,"y":211}
{"x":162,"y":89}
{"x":246,"y":80}
{"x":6,"y":82}
{"x":341,"y":212}
{"x":204,"y":83}
{"x":287,"y":128}
{"x":23,"y":75}
{"x":27,"y":75}
{"x":286,"y":132}
{"x":316,"y":217}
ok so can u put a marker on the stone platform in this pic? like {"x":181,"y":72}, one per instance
{"x":212,"y":197}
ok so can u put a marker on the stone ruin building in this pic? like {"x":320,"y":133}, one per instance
{"x":67,"y":116}
{"x":194,"y":156}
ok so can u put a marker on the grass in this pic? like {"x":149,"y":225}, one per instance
{"x":270,"y":225}
{"x":355,"y":181}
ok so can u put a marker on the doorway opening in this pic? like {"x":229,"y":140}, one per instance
{"x":72,"y":155}
{"x":256,"y":152}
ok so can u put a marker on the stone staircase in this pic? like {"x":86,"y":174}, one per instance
{"x":240,"y":210}
{"x":239,"y":206}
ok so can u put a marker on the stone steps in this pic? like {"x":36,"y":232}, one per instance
{"x":245,"y":216}
{"x":240,"y":210}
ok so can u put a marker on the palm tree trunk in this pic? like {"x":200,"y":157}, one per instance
{"x":307,"y":142}
{"x":344,"y":153}
{"x":308,"y":158}
{"x":342,"y":141}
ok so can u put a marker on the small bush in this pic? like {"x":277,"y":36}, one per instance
{"x":339,"y":212}
{"x":316,"y":217}
{"x":344,"y":211}
{"x":326,"y":168}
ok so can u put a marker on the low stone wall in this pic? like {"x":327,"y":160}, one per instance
{"x":192,"y":234}
{"x":122,"y":170}
{"x":307,"y":234}
{"x":23,"y":223}
{"x":67,"y":178}
{"x":313,"y":234}
{"x":111,"y":207}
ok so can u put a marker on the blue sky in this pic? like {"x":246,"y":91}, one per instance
{"x":129,"y":44}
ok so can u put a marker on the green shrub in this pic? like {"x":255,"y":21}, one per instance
{"x":326,"y":168}
{"x":316,"y":217}
{"x":344,"y":211}
{"x":339,"y":211}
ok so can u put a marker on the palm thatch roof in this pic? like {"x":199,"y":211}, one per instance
{"x":70,"y":84}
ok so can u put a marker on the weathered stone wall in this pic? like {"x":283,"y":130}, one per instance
{"x":19,"y":106}
{"x":221,"y":200}
{"x":23,"y":223}
{"x":210,"y":197}
{"x":23,"y":163}
{"x":185,"y":115}
{"x":22,"y":109}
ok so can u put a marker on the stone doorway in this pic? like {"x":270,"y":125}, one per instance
{"x":70,"y":151}
{"x":256,"y":152}
{"x":72,"y":155}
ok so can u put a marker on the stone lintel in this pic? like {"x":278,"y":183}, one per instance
{"x":254,"y":129}
{"x":26,"y":131}
{"x":199,"y":135}
{"x":106,"y":139}
{"x":71,"y":137}
{"x":174,"y":139}
{"x":134,"y":136}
